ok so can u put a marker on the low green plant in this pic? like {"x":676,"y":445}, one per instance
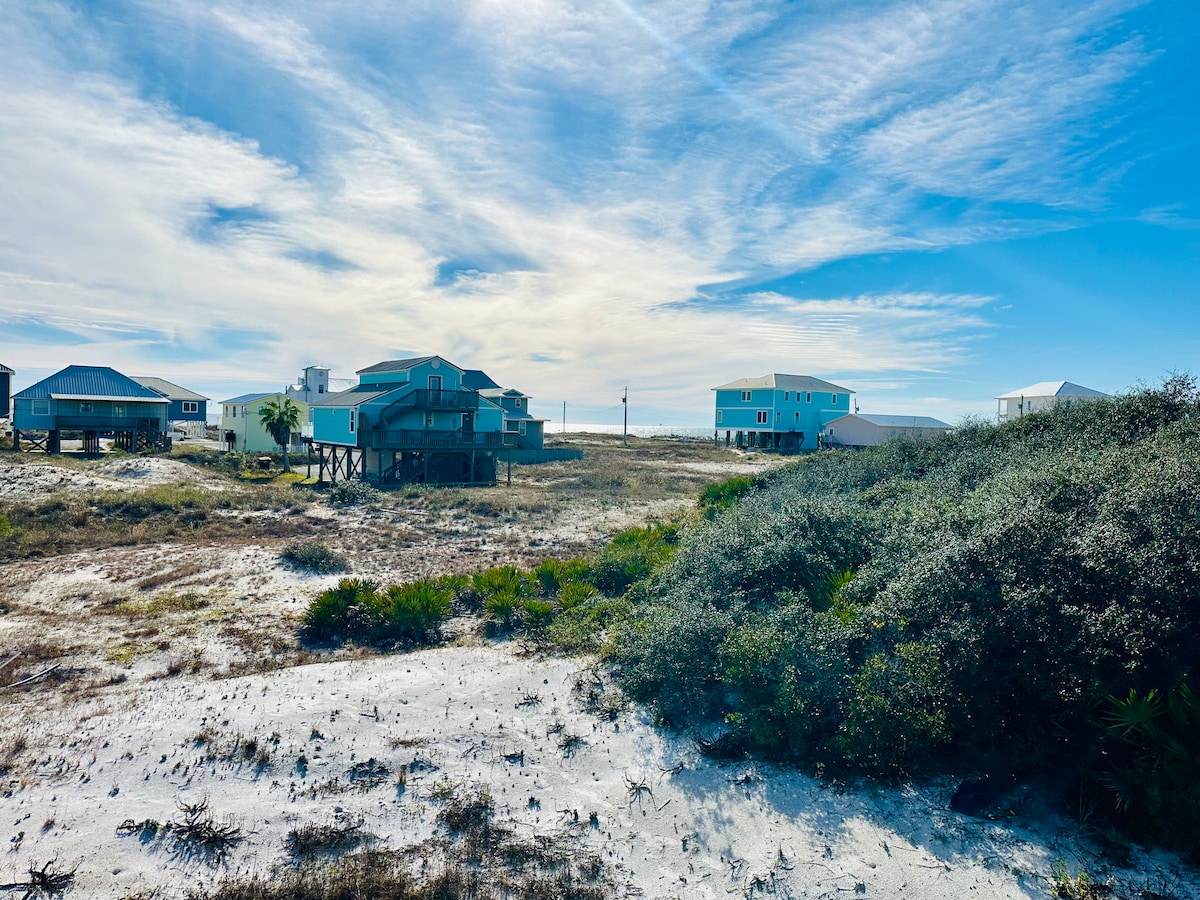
{"x":1079,"y":886}
{"x":724,"y":494}
{"x":502,"y":609}
{"x":416,"y":611}
{"x":353,"y":493}
{"x":350,"y":610}
{"x":314,"y":556}
{"x":538,"y":614}
{"x":634,"y":555}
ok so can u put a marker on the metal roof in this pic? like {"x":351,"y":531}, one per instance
{"x":91,"y":382}
{"x":403,"y":365}
{"x":357,"y":396}
{"x":1052,"y":389}
{"x":250,"y":398}
{"x":155,"y":399}
{"x":891,"y":421}
{"x":502,"y":392}
{"x":166,"y":388}
{"x":6,"y":370}
{"x":784,"y":383}
{"x":477,"y":380}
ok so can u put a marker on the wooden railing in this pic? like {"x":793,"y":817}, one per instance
{"x":418,"y":439}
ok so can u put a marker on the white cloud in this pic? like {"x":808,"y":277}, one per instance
{"x":737,"y":138}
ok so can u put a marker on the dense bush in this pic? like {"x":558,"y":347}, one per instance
{"x":353,"y":493}
{"x":969,"y":601}
{"x":358,"y":610}
{"x":313,"y":556}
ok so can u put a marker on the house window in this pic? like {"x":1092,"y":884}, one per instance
{"x":191,"y":406}
{"x":746,"y":396}
{"x":352,"y":421}
{"x":429,"y":417}
{"x":835,"y":398}
{"x":808,"y":396}
{"x":762,"y":417}
{"x":41,"y":407}
{"x":777,"y":415}
{"x":518,"y":404}
{"x":510,"y":425}
{"x":797,"y":417}
{"x":320,"y":388}
{"x":718,"y":417}
{"x":118,"y":412}
{"x":522,"y":427}
{"x":85,"y":408}
{"x":787,"y":395}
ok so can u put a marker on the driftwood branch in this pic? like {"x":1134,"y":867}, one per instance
{"x":35,"y":677}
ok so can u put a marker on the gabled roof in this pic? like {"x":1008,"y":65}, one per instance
{"x":477,"y":380}
{"x":511,"y":393}
{"x":89,"y":383}
{"x":783,"y":383}
{"x":890,"y":421}
{"x":250,"y":398}
{"x":363,"y":393}
{"x":6,"y":370}
{"x":166,"y":388}
{"x":1052,"y":389}
{"x":403,"y":365}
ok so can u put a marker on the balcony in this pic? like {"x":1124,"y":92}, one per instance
{"x":418,"y":439}
{"x":424,"y":398}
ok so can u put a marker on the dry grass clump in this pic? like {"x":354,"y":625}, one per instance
{"x":338,"y":836}
{"x":474,"y":857}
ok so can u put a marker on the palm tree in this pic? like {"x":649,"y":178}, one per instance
{"x":280,"y":420}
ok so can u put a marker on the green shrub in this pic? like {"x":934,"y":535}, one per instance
{"x":538,"y":614}
{"x":353,"y":609}
{"x":502,"y":609}
{"x":724,"y":494}
{"x":353,"y":493}
{"x":969,"y":601}
{"x":313,"y":556}
{"x":416,"y":611}
{"x":502,"y":580}
{"x":574,"y":593}
{"x":554,"y":574}
{"x":634,"y":555}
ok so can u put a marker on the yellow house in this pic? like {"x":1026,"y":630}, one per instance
{"x":241,"y":427}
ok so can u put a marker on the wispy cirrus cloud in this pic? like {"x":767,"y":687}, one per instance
{"x":581,"y":170}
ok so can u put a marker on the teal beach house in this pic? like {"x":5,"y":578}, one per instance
{"x":777,"y":412}
{"x":410,"y":420}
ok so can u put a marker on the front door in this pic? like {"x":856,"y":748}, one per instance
{"x":468,"y":423}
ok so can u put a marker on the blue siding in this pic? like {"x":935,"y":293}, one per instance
{"x":786,"y":412}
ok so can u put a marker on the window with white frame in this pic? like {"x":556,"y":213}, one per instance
{"x":85,"y":408}
{"x":746,"y":395}
{"x":787,"y":395}
{"x":762,"y":417}
{"x":719,"y":412}
{"x":191,"y":406}
{"x":352,"y":421}
{"x":808,"y":396}
{"x":118,"y":411}
{"x":835,"y":399}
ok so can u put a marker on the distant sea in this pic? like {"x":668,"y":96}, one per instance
{"x":683,"y":431}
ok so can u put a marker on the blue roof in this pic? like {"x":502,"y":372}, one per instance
{"x":477,"y":380}
{"x":98,"y":382}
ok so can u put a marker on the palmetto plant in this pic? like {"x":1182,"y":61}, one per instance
{"x":280,"y":419}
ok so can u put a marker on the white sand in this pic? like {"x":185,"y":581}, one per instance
{"x":707,"y":831}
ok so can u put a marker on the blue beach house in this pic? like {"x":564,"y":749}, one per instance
{"x":778,"y":412}
{"x":95,"y":402}
{"x":410,"y":420}
{"x":187,"y":411}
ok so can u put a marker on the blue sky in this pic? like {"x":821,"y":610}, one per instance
{"x":930,"y":203}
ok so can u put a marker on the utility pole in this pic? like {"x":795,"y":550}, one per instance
{"x":625,"y":404}
{"x":564,"y":417}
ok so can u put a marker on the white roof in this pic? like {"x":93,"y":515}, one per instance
{"x":783,"y":383}
{"x":1052,"y":389}
{"x":892,"y":421}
